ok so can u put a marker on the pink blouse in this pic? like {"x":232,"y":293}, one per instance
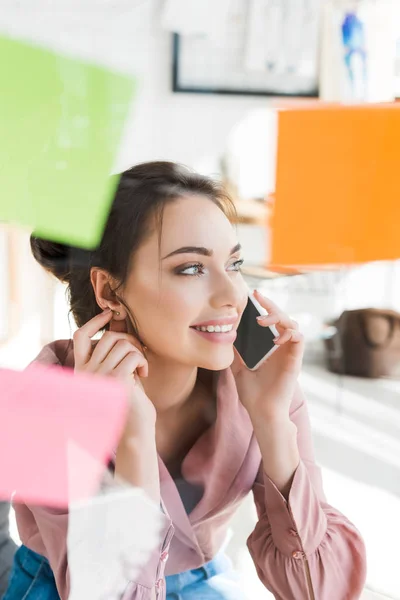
{"x":302,"y":548}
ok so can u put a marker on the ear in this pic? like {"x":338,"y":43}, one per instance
{"x":103,"y":285}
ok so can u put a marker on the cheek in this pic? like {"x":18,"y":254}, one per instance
{"x":177,"y":311}
{"x":243,"y":298}
{"x":167,"y":311}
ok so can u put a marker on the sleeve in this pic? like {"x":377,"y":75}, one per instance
{"x":149,"y":584}
{"x":50,"y":534}
{"x":303,"y":547}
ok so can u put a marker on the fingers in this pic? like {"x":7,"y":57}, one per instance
{"x":107,"y":342}
{"x":109,"y":351}
{"x":82,"y":337}
{"x":119,"y":351}
{"x":287,"y":328}
{"x":266,"y":303}
{"x":289,"y":335}
{"x":281,"y":320}
{"x":131,"y":363}
{"x":267,"y":320}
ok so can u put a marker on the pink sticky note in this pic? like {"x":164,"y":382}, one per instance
{"x":58,"y":431}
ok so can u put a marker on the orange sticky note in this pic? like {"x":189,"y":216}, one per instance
{"x":337,"y":195}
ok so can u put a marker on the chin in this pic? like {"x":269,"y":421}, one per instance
{"x":217,"y":361}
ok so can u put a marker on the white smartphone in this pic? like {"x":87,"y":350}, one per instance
{"x":254,"y":343}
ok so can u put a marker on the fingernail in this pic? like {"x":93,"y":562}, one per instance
{"x":261,"y":317}
{"x":276,"y":339}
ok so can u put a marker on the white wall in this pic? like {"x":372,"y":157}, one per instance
{"x":126,"y":35}
{"x":189,"y":128}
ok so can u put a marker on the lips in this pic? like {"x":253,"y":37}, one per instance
{"x":218,"y":337}
{"x":217,"y":322}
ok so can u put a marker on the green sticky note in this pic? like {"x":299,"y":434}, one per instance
{"x":61,"y":121}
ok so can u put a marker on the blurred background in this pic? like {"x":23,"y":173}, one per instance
{"x":210,"y":78}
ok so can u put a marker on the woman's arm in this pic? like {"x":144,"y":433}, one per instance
{"x":136,"y":462}
{"x":301,"y":546}
{"x":136,"y":466}
{"x":277,"y":440}
{"x":54,"y":532}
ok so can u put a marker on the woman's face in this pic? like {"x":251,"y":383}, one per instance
{"x":187,"y":294}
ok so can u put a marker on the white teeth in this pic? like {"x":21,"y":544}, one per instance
{"x":215,"y":328}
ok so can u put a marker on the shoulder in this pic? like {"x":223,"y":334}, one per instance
{"x":59,"y":352}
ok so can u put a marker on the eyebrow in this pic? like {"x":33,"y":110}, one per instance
{"x":199,"y":250}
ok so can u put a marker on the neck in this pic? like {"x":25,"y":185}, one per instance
{"x":169,"y":385}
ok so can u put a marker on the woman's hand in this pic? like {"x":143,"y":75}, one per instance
{"x":117,"y":355}
{"x":268,"y":392}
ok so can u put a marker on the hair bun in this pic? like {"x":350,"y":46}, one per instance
{"x":52,"y":256}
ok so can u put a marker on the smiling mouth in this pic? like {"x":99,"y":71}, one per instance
{"x":218,"y":334}
{"x":214,"y":328}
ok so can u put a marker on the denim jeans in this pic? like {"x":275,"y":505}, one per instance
{"x":32,"y":579}
{"x":7,"y":547}
{"x":215,"y":580}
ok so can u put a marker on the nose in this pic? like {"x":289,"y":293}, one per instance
{"x":228,"y":290}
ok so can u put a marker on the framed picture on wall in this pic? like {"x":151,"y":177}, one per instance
{"x":264,"y":48}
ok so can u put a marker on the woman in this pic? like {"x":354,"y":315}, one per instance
{"x":165,"y":285}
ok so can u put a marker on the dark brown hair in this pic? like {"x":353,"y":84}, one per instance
{"x":142,"y":192}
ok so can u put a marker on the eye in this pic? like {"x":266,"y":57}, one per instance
{"x":236,"y":265}
{"x":195,"y":270}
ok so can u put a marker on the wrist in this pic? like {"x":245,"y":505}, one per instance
{"x":270,"y":418}
{"x":134,"y":447}
{"x":136,"y":463}
{"x":274,"y":428}
{"x":138,"y":433}
{"x":277,"y":439}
